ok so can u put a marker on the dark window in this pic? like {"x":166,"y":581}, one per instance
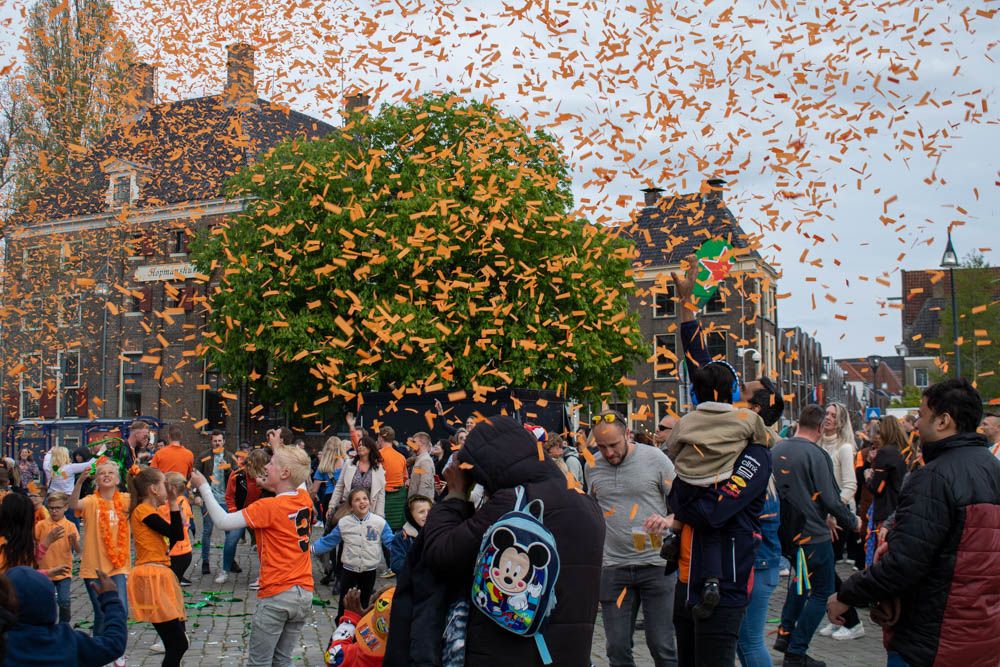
{"x":179,"y":241}
{"x":123,"y":190}
{"x":665,"y":363}
{"x":214,"y":407}
{"x":664,"y":304}
{"x":31,"y":386}
{"x":920,"y":377}
{"x":716,"y":304}
{"x":715,"y":344}
{"x":131,"y":385}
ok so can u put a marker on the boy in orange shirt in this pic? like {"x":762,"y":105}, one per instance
{"x":175,"y":457}
{"x":282,"y":525}
{"x":60,"y":552}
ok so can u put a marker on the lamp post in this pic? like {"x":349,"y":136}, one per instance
{"x":950,"y":261}
{"x":874,"y":361}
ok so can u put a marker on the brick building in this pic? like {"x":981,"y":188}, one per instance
{"x":102,"y":312}
{"x":738,"y":322}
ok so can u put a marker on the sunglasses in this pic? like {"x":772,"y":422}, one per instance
{"x":609,"y":418}
{"x":661,"y":427}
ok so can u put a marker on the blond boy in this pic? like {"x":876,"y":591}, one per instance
{"x":60,"y":551}
{"x":282,"y":526}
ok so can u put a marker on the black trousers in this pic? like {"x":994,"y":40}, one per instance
{"x":174,"y":641}
{"x":180,"y":564}
{"x":365,"y":581}
{"x":708,"y":643}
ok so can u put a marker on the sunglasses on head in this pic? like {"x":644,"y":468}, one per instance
{"x":609,"y":418}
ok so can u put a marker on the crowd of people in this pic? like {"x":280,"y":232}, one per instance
{"x":500,"y":543}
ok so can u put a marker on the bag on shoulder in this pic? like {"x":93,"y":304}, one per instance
{"x":515,"y":577}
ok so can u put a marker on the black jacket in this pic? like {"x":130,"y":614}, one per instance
{"x":731,"y":508}
{"x":504,"y":455}
{"x":943,"y":561}
{"x":888,"y":470}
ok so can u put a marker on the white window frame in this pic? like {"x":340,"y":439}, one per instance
{"x":722,"y":300}
{"x":32,"y":320}
{"x":73,"y":246}
{"x":669,"y":295}
{"x":725,"y":338}
{"x":21,"y":387}
{"x":65,"y":322}
{"x":661,"y":374}
{"x":26,"y":261}
{"x":916,"y":381}
{"x":658,"y":413}
{"x":121,"y":380}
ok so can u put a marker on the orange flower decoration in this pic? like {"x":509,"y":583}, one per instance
{"x":117,"y":546}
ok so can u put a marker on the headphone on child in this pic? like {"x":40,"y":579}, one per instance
{"x":735,"y":387}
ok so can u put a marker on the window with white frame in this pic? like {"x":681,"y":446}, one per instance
{"x":31,"y":318}
{"x":920,"y":377}
{"x":665,"y":360}
{"x":662,"y":410}
{"x":663,"y":302}
{"x":30,"y":385}
{"x":70,"y":311}
{"x":69,"y":379}
{"x":130,"y":404}
{"x":716,"y":304}
{"x":121,"y":189}
{"x":715,"y":344}
{"x":70,"y":256}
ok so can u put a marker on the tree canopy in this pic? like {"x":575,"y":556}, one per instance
{"x":978,"y":327}
{"x":430,"y":246}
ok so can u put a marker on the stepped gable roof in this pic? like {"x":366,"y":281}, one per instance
{"x":184,"y":151}
{"x":677,"y":226}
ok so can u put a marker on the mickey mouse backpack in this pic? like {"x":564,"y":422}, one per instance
{"x":514,"y":583}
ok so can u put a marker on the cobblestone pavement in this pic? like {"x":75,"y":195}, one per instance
{"x":218,"y":630}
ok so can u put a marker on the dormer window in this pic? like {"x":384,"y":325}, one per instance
{"x":121,"y":192}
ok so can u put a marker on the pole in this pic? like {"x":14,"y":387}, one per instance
{"x":954,"y":325}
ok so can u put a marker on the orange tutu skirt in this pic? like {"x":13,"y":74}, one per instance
{"x":154,"y":595}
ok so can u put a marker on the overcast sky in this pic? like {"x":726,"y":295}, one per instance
{"x":855,"y":136}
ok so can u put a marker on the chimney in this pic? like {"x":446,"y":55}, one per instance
{"x":651,"y":196}
{"x":357,"y":103}
{"x":240,"y":68}
{"x":142,"y":93}
{"x":713,"y":189}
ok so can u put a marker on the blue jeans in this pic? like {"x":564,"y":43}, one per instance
{"x":802,"y":614}
{"x":233,"y":538}
{"x":63,"y":598}
{"x":895,"y":660}
{"x":120,"y":582}
{"x":645,"y":585}
{"x":750,"y":648}
{"x":206,"y":534}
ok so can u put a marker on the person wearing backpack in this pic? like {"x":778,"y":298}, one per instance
{"x":808,"y":490}
{"x":503,"y":457}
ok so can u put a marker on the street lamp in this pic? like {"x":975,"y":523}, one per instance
{"x":874,"y":361}
{"x":756,"y":359}
{"x":950,"y":261}
{"x":102,"y":289}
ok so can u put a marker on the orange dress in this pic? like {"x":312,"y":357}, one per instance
{"x":154,"y":595}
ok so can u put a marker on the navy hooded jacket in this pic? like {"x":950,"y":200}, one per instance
{"x":38,"y":639}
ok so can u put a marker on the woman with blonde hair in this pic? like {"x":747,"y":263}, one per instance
{"x":331,"y":463}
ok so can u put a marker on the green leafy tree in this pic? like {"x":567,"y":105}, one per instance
{"x":909,"y":399}
{"x":431,"y":246}
{"x":976,"y":294}
{"x":76,"y":61}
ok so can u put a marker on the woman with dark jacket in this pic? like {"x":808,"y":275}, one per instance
{"x":500,"y":455}
{"x":884,"y":479}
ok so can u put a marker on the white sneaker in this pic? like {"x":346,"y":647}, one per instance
{"x":843,"y":634}
{"x":222,"y":578}
{"x":784,"y":573}
{"x":828,"y":630}
{"x":255,"y":584}
{"x":120,"y":662}
{"x":157,"y":648}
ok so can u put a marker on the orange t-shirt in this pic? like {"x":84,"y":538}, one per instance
{"x":95,"y":555}
{"x":59,"y":552}
{"x":150,"y":546}
{"x":282,"y":525}
{"x":174,"y":458}
{"x":184,"y":546}
{"x":42,"y":514}
{"x":395,"y":468}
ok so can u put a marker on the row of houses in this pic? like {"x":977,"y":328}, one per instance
{"x":117,"y":232}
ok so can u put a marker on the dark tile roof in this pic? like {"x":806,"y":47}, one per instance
{"x":678,"y":225}
{"x":186,"y":149}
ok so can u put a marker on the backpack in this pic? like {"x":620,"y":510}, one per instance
{"x":515,"y":577}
